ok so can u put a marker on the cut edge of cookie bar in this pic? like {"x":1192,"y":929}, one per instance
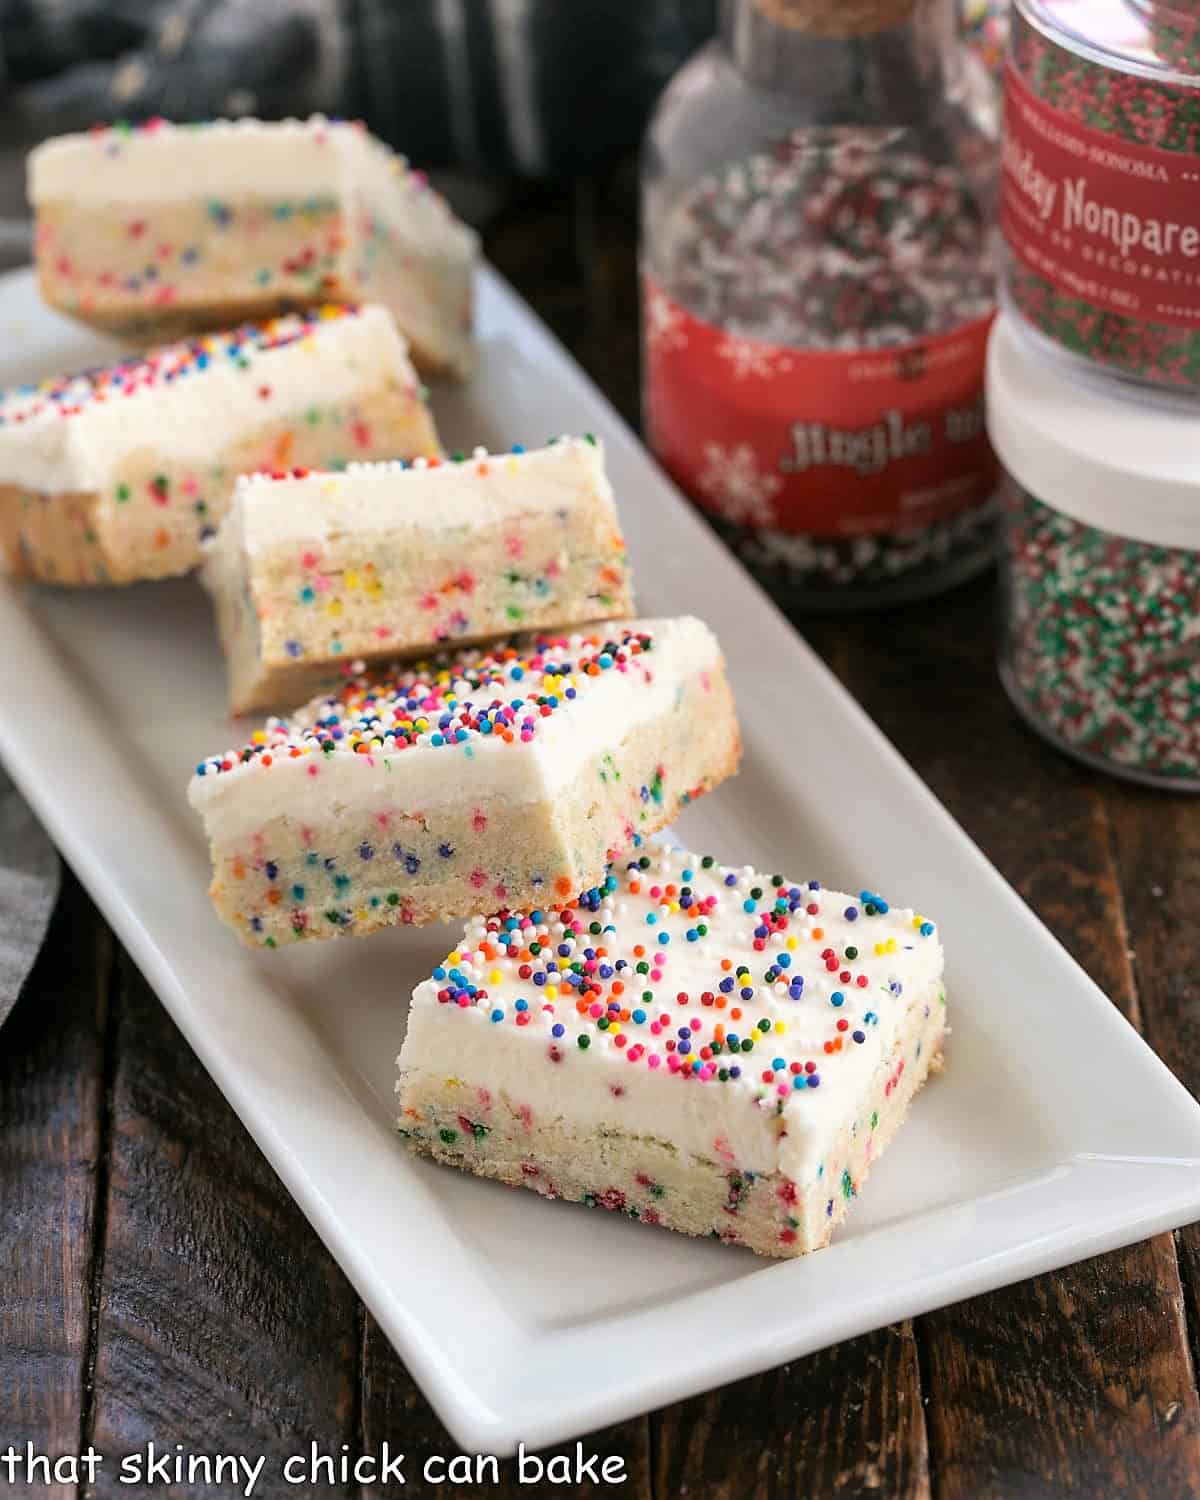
{"x":57,"y":538}
{"x":161,"y":462}
{"x":309,"y":857}
{"x":166,"y":231}
{"x":146,"y":328}
{"x":649,"y":1178}
{"x":382,"y":561}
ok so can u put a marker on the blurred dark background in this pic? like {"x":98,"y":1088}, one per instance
{"x":536,"y":88}
{"x":497,"y":94}
{"x":505,"y":100}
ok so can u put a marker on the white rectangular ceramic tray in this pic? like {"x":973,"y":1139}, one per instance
{"x":1020,"y":1158}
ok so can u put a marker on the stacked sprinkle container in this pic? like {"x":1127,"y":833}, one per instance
{"x":1094,"y":382}
{"x":1100,"y":204}
{"x":819,"y":273}
{"x":1099,"y":563}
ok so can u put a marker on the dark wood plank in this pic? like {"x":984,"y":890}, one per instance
{"x":1187,"y":1249}
{"x":222,"y":1322}
{"x":51,"y":1112}
{"x":1157,"y":839}
{"x":1072,"y":1384}
{"x":926,"y":675}
{"x":1078,"y":1382}
{"x":845,"y":1422}
{"x":573,"y":259}
{"x":395,"y":1412}
{"x":1158,"y":854}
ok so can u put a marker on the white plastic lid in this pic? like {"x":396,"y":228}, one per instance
{"x":1114,"y":461}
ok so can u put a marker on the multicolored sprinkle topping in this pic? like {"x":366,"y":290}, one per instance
{"x":504,"y":693}
{"x":68,"y":395}
{"x":681,"y":965}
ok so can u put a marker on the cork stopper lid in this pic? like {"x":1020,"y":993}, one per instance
{"x":836,"y":18}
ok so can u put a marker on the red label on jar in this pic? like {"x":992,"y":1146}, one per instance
{"x":824,"y":444}
{"x":1115,"y":224}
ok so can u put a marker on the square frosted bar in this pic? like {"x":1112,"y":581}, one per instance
{"x":710,"y":1049}
{"x":163,"y":230}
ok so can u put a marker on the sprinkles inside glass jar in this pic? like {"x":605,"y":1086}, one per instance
{"x":1100,"y":567}
{"x":818,"y":283}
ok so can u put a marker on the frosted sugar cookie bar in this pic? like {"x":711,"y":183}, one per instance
{"x":123,"y":473}
{"x":161,"y":230}
{"x":703,"y":1047}
{"x":312,"y":570}
{"x":480,"y":780}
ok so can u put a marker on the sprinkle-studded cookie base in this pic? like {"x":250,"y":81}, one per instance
{"x":648,"y":1180}
{"x":766,"y":1035}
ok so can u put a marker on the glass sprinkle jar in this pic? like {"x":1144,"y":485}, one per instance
{"x":1100,"y":201}
{"x":818,"y":270}
{"x":1099,"y":565}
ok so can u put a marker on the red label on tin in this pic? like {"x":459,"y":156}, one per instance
{"x":1113,"y":223}
{"x":823,"y":444}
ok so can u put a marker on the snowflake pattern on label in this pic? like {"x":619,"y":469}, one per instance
{"x":738,"y":488}
{"x":822,"y":443}
{"x":663,"y":322}
{"x":750,"y":359}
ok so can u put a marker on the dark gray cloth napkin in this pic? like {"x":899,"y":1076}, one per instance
{"x":29,"y":877}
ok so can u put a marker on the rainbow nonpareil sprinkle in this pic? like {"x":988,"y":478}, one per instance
{"x":68,"y":395}
{"x":504,"y":695}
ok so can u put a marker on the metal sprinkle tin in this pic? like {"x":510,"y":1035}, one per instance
{"x":1101,"y":198}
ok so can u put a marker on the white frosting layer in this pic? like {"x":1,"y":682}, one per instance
{"x":234,"y":160}
{"x":484,"y":490}
{"x":222,"y":160}
{"x":315,"y":787}
{"x":743,"y":1121}
{"x":194,"y":417}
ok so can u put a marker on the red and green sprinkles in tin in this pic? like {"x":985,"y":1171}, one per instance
{"x":1101,"y":651}
{"x":1128,"y":104}
{"x":1175,"y":32}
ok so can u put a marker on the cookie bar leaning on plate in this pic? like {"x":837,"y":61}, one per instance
{"x":479,"y":780}
{"x":163,"y":230}
{"x":312,"y":570}
{"x":123,"y":473}
{"x":703,"y":1047}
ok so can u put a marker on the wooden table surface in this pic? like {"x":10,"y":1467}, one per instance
{"x":157,"y":1282}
